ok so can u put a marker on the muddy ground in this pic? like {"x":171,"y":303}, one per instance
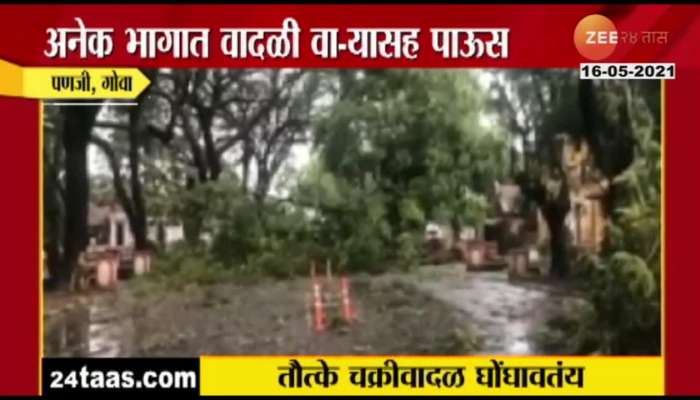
{"x":433,"y":310}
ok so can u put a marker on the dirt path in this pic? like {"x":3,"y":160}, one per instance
{"x":435,"y":310}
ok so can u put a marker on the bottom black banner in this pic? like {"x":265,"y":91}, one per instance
{"x":123,"y":375}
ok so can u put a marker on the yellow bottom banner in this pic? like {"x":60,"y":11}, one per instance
{"x":430,"y":375}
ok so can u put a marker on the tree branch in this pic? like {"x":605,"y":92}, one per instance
{"x":113,"y":161}
{"x":123,"y":126}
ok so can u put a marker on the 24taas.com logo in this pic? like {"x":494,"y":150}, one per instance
{"x":596,"y":37}
{"x":87,"y":379}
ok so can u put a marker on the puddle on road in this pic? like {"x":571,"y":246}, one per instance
{"x":88,"y":327}
{"x":507,"y":317}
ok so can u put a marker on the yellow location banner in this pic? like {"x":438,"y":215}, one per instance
{"x":430,"y":375}
{"x":71,"y":83}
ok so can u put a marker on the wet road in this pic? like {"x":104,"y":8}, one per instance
{"x":89,"y":327}
{"x":506,"y":318}
{"x":509,"y":318}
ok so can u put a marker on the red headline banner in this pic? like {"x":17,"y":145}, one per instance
{"x":335,"y":36}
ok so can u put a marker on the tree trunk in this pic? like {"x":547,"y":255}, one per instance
{"x":192,"y":224}
{"x":247,"y":155}
{"x":555,"y":215}
{"x":52,"y":225}
{"x":161,"y":235}
{"x":76,"y":134}
{"x":138,"y":220}
{"x":206,"y":119}
{"x":513,"y":160}
{"x":456,"y":231}
{"x":262,"y":186}
{"x":192,"y":228}
{"x":195,"y":150}
{"x":54,"y":262}
{"x":554,"y":207}
{"x":53,"y":211}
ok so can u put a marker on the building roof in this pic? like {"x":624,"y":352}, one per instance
{"x":97,"y":215}
{"x":99,"y":212}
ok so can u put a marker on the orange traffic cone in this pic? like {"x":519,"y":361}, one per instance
{"x":319,"y":312}
{"x":348,"y":312}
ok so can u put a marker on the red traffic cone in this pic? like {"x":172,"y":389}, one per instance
{"x":319,"y":313}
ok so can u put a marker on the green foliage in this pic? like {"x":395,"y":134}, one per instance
{"x":284,"y":262}
{"x":267,"y":238}
{"x":184,"y":265}
{"x":399,"y":148}
{"x":411,"y":213}
{"x":625,"y":285}
{"x":409,"y":250}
